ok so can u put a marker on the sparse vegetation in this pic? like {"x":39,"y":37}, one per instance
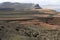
{"x":15,"y":31}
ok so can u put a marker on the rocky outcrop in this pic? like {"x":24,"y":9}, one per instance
{"x":37,"y":6}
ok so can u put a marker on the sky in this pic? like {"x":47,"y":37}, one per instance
{"x":41,"y":2}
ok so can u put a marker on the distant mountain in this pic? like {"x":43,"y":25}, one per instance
{"x":8,"y":6}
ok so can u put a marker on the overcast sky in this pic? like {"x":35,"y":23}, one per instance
{"x":41,"y":2}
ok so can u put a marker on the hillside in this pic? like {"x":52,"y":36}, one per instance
{"x":21,"y":21}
